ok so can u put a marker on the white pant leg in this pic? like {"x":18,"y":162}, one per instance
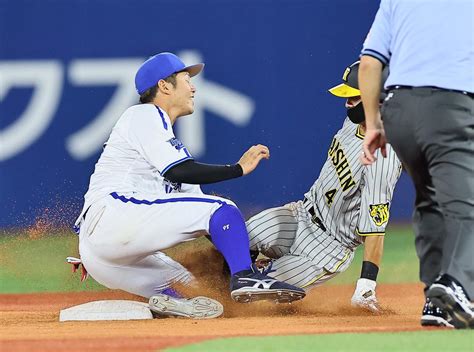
{"x":122,"y":230}
{"x":145,"y":277}
{"x":121,"y":237}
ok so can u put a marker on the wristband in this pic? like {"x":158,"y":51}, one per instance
{"x":369,"y":271}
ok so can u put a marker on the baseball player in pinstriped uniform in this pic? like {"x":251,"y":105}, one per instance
{"x":144,"y":197}
{"x":312,"y":240}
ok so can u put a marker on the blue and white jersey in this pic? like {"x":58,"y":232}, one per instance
{"x":139,"y":151}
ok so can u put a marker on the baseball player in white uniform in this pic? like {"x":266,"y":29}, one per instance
{"x":314,"y":239}
{"x":144,"y":196}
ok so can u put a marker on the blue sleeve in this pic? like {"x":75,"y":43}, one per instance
{"x":377,"y":43}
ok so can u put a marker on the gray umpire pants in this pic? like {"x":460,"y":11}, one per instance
{"x":432,"y":132}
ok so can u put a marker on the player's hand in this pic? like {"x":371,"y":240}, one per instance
{"x":374,"y":139}
{"x":252,"y":157}
{"x":364,"y":295}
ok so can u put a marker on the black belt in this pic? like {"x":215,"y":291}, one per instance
{"x":469,"y":94}
{"x":314,"y":218}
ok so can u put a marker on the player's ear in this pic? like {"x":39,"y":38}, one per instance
{"x":164,"y":87}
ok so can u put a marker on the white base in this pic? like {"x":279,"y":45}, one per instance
{"x":107,"y":310}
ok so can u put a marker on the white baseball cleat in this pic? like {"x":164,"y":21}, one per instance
{"x":195,"y":308}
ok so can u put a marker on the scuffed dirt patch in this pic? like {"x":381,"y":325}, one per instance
{"x":30,"y":321}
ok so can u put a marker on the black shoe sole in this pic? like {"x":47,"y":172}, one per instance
{"x":276,"y":296}
{"x":442,"y":299}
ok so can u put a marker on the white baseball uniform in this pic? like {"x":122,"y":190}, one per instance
{"x":314,"y":240}
{"x":131,"y":211}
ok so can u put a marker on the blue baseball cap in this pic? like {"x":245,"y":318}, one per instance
{"x":159,"y":67}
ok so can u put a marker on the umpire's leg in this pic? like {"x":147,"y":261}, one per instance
{"x":432,"y":132}
{"x":428,"y":219}
{"x":448,"y":142}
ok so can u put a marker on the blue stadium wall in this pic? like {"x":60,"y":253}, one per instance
{"x":66,"y":74}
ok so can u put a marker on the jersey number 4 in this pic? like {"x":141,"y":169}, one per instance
{"x":330,"y":196}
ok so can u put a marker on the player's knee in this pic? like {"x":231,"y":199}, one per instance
{"x":227,"y":221}
{"x":226,"y":214}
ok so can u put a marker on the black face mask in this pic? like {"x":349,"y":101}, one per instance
{"x":356,"y":114}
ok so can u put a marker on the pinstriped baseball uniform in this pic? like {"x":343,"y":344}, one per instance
{"x":314,"y":239}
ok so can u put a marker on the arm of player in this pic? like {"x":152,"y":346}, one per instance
{"x":154,"y":139}
{"x":370,"y":75}
{"x":192,"y":172}
{"x":195,"y":173}
{"x":375,"y":53}
{"x":364,"y":295}
{"x":373,"y":249}
{"x":380,"y":180}
{"x":252,"y":157}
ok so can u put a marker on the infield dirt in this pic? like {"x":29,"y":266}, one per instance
{"x":30,"y":321}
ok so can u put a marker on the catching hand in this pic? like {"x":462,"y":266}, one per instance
{"x":252,"y":157}
{"x":364,"y":295}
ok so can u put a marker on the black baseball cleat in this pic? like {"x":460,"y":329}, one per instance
{"x":435,"y":316}
{"x":448,"y":295}
{"x":252,"y":285}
